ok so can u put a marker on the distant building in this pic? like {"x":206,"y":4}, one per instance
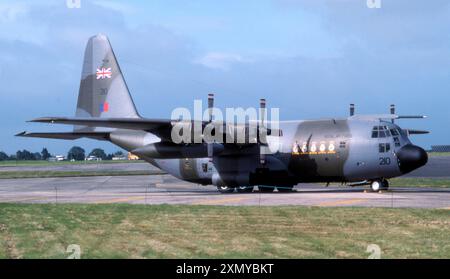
{"x":440,"y":148}
{"x":92,"y":158}
{"x":57,"y":158}
{"x":132,"y":157}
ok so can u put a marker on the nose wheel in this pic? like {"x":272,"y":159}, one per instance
{"x":379,"y":184}
{"x":225,"y":189}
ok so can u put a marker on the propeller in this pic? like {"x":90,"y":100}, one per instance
{"x":262,"y":129}
{"x":352,"y":109}
{"x":392,"y":111}
{"x":210,"y":113}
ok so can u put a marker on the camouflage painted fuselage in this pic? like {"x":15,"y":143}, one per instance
{"x":330,"y":150}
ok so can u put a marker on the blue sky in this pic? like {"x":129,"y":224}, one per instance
{"x":308,"y":58}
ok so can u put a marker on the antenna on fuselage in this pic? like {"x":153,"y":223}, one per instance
{"x":352,"y":109}
{"x":210,"y":119}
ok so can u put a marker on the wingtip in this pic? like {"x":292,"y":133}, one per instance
{"x":41,"y":120}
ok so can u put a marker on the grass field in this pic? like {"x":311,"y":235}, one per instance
{"x":139,"y":231}
{"x":44,"y":174}
{"x":47,"y":163}
{"x":435,"y":154}
{"x":420,"y":182}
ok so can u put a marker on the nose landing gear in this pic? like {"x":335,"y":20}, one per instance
{"x":379,"y":184}
{"x":225,"y":189}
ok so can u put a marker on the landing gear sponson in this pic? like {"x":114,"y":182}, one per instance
{"x":249,"y":189}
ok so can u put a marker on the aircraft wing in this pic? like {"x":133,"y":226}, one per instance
{"x":66,"y":136}
{"x":162,"y":128}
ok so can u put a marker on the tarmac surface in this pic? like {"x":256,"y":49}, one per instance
{"x":140,"y":166}
{"x":437,"y":167}
{"x":165,"y":189}
{"x":161,"y":189}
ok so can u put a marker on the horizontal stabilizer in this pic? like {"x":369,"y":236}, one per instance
{"x":121,"y":123}
{"x":66,"y":136}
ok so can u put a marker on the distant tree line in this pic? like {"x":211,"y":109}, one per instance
{"x":75,"y":153}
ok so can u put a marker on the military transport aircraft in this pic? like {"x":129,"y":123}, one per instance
{"x":358,"y":150}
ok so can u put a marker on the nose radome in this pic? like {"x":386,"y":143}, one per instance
{"x":411,"y":157}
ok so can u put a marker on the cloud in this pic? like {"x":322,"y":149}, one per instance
{"x":219,"y":60}
{"x":12,"y":11}
{"x":41,"y":52}
{"x":116,"y":6}
{"x":393,"y":54}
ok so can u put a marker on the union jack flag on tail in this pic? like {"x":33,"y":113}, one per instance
{"x":104,"y":73}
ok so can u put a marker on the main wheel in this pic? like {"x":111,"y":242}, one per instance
{"x":225,"y":189}
{"x":284,"y":189}
{"x":266,"y":189}
{"x":244,"y":189}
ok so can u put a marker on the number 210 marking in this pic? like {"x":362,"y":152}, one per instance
{"x":384,"y":161}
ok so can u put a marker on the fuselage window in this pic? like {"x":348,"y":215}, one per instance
{"x":396,"y":141}
{"x":342,"y":144}
{"x":205,"y":167}
{"x":384,"y":147}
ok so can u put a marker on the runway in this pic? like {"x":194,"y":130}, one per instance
{"x":165,"y":189}
{"x":437,"y":167}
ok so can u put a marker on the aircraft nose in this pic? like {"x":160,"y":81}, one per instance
{"x":411,"y":157}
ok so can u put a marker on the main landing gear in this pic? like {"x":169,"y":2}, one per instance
{"x":244,"y":189}
{"x":249,"y":189}
{"x":239,"y":189}
{"x":379,"y":184}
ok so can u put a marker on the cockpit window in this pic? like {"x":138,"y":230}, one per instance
{"x":394,"y":132}
{"x":403,"y":133}
{"x":380,"y":132}
{"x":375,"y":132}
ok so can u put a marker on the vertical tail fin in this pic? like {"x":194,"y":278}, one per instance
{"x":103,"y":91}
